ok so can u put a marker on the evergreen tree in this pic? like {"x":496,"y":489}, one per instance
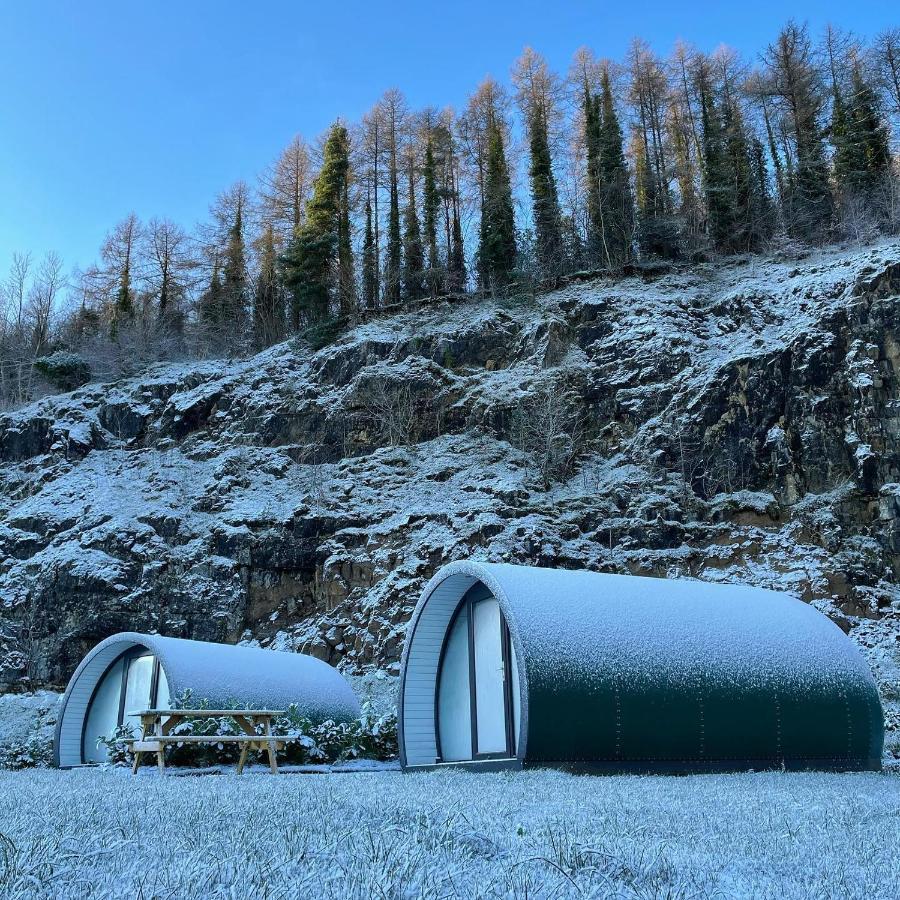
{"x":268,"y":314}
{"x":346,"y":278}
{"x":413,"y":257}
{"x":456,"y":276}
{"x":497,"y":248}
{"x":211,"y":307}
{"x":591,"y":111}
{"x":750,"y":213}
{"x":120,"y":256}
{"x":312,"y":264}
{"x":860,"y":136}
{"x":537,"y":90}
{"x":655,"y":230}
{"x":717,"y":183}
{"x":616,"y":203}
{"x":431,"y":203}
{"x":370,"y":263}
{"x":392,"y":272}
{"x":762,"y":211}
{"x":124,"y":301}
{"x":544,"y":198}
{"x":234,"y":274}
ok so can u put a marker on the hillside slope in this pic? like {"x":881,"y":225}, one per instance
{"x":736,"y":422}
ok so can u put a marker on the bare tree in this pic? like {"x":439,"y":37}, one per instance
{"x":549,"y":429}
{"x":390,"y":410}
{"x":121,"y":271}
{"x":30,"y":300}
{"x":284,"y":190}
{"x":886,"y":54}
{"x":169,"y":267}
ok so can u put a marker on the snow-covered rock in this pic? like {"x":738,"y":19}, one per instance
{"x":734,"y":422}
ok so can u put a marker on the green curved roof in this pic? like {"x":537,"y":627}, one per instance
{"x":631,"y":673}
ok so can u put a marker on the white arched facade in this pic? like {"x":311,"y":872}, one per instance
{"x":131,"y":671}
{"x":462,"y":690}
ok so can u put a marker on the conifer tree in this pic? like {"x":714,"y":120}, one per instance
{"x":124,"y":301}
{"x":346,"y":278}
{"x":394,"y":113}
{"x":497,"y":247}
{"x":750,"y":213}
{"x":120,"y":257}
{"x":717,"y":181}
{"x":762,"y":211}
{"x":860,"y":137}
{"x":616,"y":203}
{"x":657,"y":230}
{"x":394,"y":243}
{"x":234,"y":272}
{"x":211,"y":308}
{"x":456,"y":277}
{"x":313,"y":265}
{"x":537,"y":89}
{"x":370,"y":262}
{"x":544,"y":198}
{"x":592,"y":112}
{"x":431,"y":203}
{"x":268,"y":314}
{"x":413,"y":257}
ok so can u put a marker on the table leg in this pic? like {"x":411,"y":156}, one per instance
{"x":137,"y":753}
{"x":243,"y":760}
{"x":161,"y":748}
{"x":270,"y":746}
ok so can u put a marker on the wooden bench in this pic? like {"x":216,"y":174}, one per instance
{"x":156,"y":733}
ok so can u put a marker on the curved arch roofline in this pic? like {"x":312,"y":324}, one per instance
{"x":598,"y":647}
{"x":218,"y":673}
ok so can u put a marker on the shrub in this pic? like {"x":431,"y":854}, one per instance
{"x":36,"y":751}
{"x":371,"y":736}
{"x":324,"y":334}
{"x":65,"y":371}
{"x":117,"y":745}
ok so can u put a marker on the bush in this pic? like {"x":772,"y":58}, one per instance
{"x":64,"y":371}
{"x":371,"y":736}
{"x":35,"y":752}
{"x":117,"y":745}
{"x":324,"y":334}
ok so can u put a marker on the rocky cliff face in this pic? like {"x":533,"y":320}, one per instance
{"x":738,"y":422}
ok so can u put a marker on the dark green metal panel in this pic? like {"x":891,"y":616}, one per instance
{"x":740,"y":722}
{"x":625,"y":673}
{"x":586,"y":714}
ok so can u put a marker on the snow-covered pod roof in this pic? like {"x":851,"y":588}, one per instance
{"x":629,"y":673}
{"x":221,"y":674}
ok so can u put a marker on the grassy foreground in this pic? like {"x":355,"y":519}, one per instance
{"x":449,"y":834}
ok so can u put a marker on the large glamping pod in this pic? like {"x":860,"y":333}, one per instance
{"x":511,"y":666}
{"x":131,"y":671}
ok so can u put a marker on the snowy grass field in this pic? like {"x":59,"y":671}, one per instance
{"x":449,"y":834}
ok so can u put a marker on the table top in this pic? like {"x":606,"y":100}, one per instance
{"x":206,"y":713}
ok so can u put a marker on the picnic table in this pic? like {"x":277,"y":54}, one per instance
{"x":157,"y":726}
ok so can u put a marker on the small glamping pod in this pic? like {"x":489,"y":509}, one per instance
{"x":131,"y":671}
{"x":511,"y":666}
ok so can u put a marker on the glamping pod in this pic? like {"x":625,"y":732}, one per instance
{"x":131,"y":671}
{"x":511,"y":666}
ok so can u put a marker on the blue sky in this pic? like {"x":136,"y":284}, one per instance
{"x":156,"y":106}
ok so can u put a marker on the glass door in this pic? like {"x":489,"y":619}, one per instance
{"x":133,"y":682}
{"x":476,"y":713}
{"x":138,"y":689}
{"x":490,"y":679}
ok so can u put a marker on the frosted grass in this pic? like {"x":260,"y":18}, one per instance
{"x":449,"y":834}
